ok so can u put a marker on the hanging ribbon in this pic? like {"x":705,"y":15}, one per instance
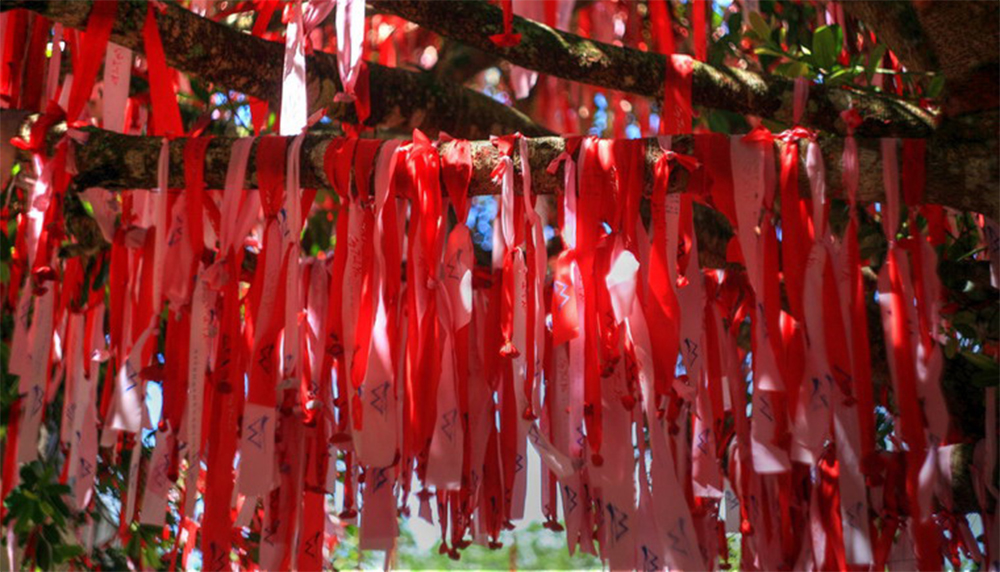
{"x":677,"y":111}
{"x":508,"y":38}
{"x":294,"y":107}
{"x":166,"y":113}
{"x":257,"y":435}
{"x":895,"y":299}
{"x":94,"y":42}
{"x":699,"y":28}
{"x":117,"y":76}
{"x":350,"y":24}
{"x":663,"y":33}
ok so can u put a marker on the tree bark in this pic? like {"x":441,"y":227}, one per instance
{"x":573,"y":57}
{"x":925,"y":37}
{"x":400,"y":99}
{"x":964,"y":176}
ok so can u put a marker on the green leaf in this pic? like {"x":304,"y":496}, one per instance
{"x":64,"y":552}
{"x":825,"y":47}
{"x":770,"y":52}
{"x":735,"y":23}
{"x":981,"y":361}
{"x":842,"y":75}
{"x":718,"y":123}
{"x":760,"y":26}
{"x":874,"y":58}
{"x":792,"y":69}
{"x":43,"y":555}
{"x":951,"y":348}
{"x":936,"y":87}
{"x":200,"y":92}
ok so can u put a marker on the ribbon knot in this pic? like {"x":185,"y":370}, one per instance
{"x":759,"y":134}
{"x":689,"y":162}
{"x":554,"y":165}
{"x":852,"y":118}
{"x":796,"y":133}
{"x":505,"y":143}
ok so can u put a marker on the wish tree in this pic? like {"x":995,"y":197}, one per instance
{"x":703,"y":284}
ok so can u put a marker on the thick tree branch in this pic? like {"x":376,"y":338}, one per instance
{"x":960,"y":40}
{"x":896,"y":25}
{"x":400,"y":99}
{"x":961,"y":175}
{"x":575,"y":58}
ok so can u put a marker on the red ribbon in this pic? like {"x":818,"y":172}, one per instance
{"x":271,"y":159}
{"x":630,"y":168}
{"x":456,"y":171}
{"x":699,"y":28}
{"x":716,"y":180}
{"x":507,"y":39}
{"x":166,"y":114}
{"x":663,"y":33}
{"x":363,"y":162}
{"x":589,"y":229}
{"x":677,"y":111}
{"x":337,"y":162}
{"x":796,"y":239}
{"x":426,"y":229}
{"x":194,"y":193}
{"x":225,"y":410}
{"x":31,"y":95}
{"x":14,"y":37}
{"x":95,"y":43}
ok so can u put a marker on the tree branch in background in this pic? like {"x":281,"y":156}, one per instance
{"x":573,"y":57}
{"x":960,"y":40}
{"x":460,"y":63}
{"x":400,"y":99}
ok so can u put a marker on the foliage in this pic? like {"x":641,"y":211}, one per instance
{"x":41,"y":519}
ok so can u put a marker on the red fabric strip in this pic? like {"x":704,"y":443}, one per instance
{"x":225,"y":412}
{"x":271,"y":159}
{"x":591,"y":214}
{"x":507,"y":39}
{"x":700,"y":28}
{"x":914,"y":173}
{"x":265,"y":11}
{"x":456,"y":171}
{"x":310,"y":549}
{"x":795,"y":237}
{"x":95,"y":44}
{"x":663,"y":33}
{"x":677,"y":112}
{"x":31,"y":95}
{"x":14,"y":37}
{"x":166,"y":114}
{"x":363,"y":162}
{"x":715,"y":180}
{"x":194,"y":197}
{"x":337,"y":161}
{"x":631,"y":169}
{"x":662,"y":307}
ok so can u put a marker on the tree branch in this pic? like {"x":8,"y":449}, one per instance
{"x":400,"y":99}
{"x":924,"y":35}
{"x":572,"y":57}
{"x":964,"y":176}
